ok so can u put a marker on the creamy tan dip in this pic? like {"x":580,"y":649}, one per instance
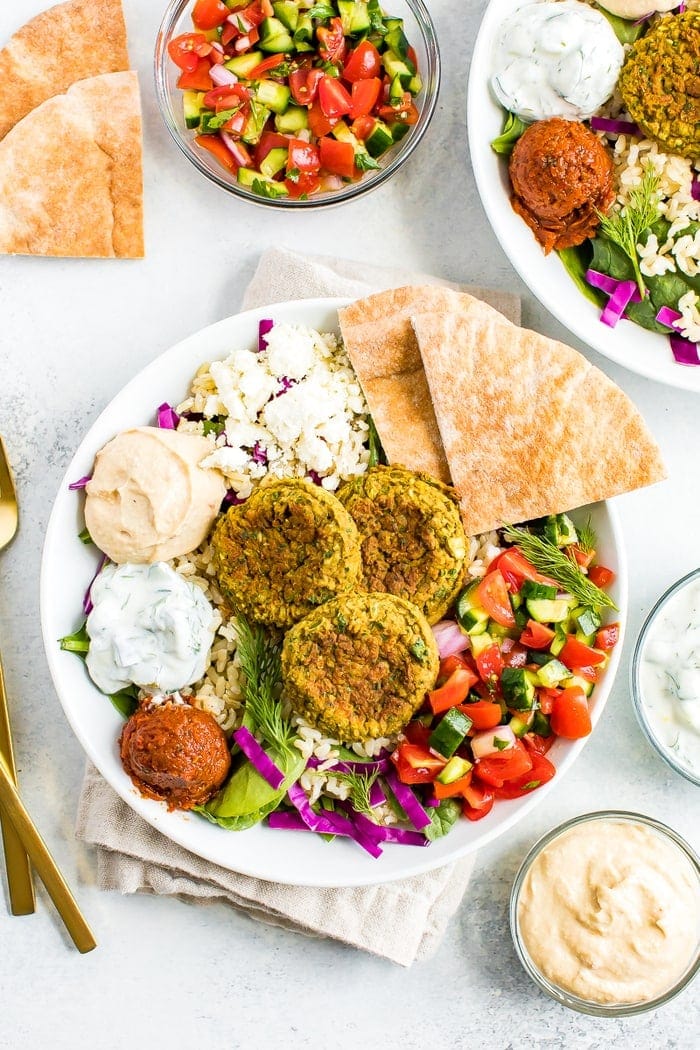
{"x":149,"y":499}
{"x":610,"y":911}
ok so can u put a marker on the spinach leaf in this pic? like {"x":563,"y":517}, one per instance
{"x":247,"y":797}
{"x":78,"y":642}
{"x":442,"y":818}
{"x":126,"y":700}
{"x":576,"y":262}
{"x":626,"y":32}
{"x":609,"y":258}
{"x":644,"y":314}
{"x":513,"y":127}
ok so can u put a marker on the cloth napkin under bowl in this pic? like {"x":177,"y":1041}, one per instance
{"x":402,"y":920}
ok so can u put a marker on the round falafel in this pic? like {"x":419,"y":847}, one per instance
{"x":288,"y":549}
{"x":412,"y":536}
{"x":360,"y":666}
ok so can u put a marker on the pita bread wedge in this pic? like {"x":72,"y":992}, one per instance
{"x":69,"y":42}
{"x":382,"y":347}
{"x":529,"y":427}
{"x":71,"y":174}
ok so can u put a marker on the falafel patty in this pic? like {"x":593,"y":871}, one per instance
{"x":360,"y":666}
{"x":288,"y":549}
{"x":660,"y":83}
{"x":413,"y":540}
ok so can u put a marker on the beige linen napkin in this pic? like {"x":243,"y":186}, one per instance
{"x":402,"y":920}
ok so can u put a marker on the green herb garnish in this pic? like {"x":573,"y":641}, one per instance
{"x":551,"y":561}
{"x":259,"y":655}
{"x":625,"y":227}
{"x":360,"y":786}
{"x":363,"y":162}
{"x":376,"y":452}
{"x":587,"y":537}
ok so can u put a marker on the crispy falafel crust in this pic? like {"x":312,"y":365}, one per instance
{"x":359,"y":667}
{"x":413,"y":540}
{"x":291,"y":547}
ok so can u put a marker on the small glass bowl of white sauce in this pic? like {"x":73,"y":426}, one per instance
{"x":665,"y":677}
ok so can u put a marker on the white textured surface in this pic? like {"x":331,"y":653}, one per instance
{"x":71,"y":333}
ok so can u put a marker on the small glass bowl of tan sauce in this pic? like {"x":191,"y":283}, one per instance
{"x":665,"y":677}
{"x":605,"y":913}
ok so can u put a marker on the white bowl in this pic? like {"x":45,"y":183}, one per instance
{"x":68,"y":565}
{"x":647,"y":353}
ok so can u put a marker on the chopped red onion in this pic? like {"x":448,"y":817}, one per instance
{"x":685,"y":352}
{"x":168,"y":418}
{"x":616,"y":127}
{"x":80,"y":484}
{"x":222,"y":76}
{"x":484,"y":743}
{"x":258,"y":758}
{"x":408,"y":801}
{"x":264,"y":326}
{"x":450,"y":638}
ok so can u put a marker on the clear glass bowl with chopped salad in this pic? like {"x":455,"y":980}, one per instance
{"x":299,"y":103}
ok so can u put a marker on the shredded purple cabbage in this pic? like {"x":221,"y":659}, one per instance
{"x":314,"y":476}
{"x":379,"y":765}
{"x":261,"y":761}
{"x":80,"y":484}
{"x":432,"y":802}
{"x":617,"y":127}
{"x":232,"y":500}
{"x":695,"y":188}
{"x":329,"y":823}
{"x":264,"y":327}
{"x":168,"y":418}
{"x":625,"y":293}
{"x":259,"y":455}
{"x":408,"y":801}
{"x":603,"y":281}
{"x":87,"y":600}
{"x":286,"y":383}
{"x":376,"y":794}
{"x":667,"y":316}
{"x":685,"y":352}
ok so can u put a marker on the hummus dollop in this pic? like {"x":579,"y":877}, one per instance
{"x":610,"y":911}
{"x":149,"y":499}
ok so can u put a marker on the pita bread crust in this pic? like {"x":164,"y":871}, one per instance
{"x":528,"y":425}
{"x":382,"y":347}
{"x":71,"y":174}
{"x":69,"y":42}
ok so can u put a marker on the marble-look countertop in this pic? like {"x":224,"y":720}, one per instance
{"x":169,"y":974}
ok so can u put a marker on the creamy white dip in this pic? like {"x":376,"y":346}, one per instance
{"x":669,"y":676}
{"x":610,"y":911}
{"x":555,"y":60}
{"x":149,"y":627}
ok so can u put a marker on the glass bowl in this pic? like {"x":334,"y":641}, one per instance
{"x":420,"y":33}
{"x":563,"y":995}
{"x":661,"y":737}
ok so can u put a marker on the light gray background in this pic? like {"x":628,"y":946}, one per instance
{"x":71,"y":334}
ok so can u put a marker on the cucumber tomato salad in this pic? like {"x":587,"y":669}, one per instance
{"x":519,"y":663}
{"x":298,"y":97}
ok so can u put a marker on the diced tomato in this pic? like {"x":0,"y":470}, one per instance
{"x":220,"y":98}
{"x":207,"y":14}
{"x":319,"y":123}
{"x":363,"y":63}
{"x":483,"y":713}
{"x":197,"y":79}
{"x":478,"y":801}
{"x":416,"y":764}
{"x":417,"y":733}
{"x":489,"y":664}
{"x":303,"y":156}
{"x":608,"y":637}
{"x":539,"y":744}
{"x":266,"y":66}
{"x":303,"y":84}
{"x":570,"y":716}
{"x":581,"y":557}
{"x":542,"y":770}
{"x":546,"y":699}
{"x":492,"y":595}
{"x":303,"y":185}
{"x":332,"y":41}
{"x":255,"y":13}
{"x":187,"y":49}
{"x":363,"y":127}
{"x":514,"y":655}
{"x":515,"y":569}
{"x":495,"y":769}
{"x":364,"y":97}
{"x":536,"y":636}
{"x":216,"y":147}
{"x":450,"y":664}
{"x":454,"y":691}
{"x":235,"y":124}
{"x":269,"y":140}
{"x":334,"y":99}
{"x":600,"y":576}
{"x":578,"y":654}
{"x":337,"y":157}
{"x":405,"y":113}
{"x":457,"y":787}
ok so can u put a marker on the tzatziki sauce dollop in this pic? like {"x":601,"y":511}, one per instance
{"x":555,"y":59}
{"x":669,"y":676}
{"x":148,"y":627}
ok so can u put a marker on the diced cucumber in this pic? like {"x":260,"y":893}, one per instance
{"x":540,"y":725}
{"x":398,"y":130}
{"x":582,"y":682}
{"x":303,"y":34}
{"x":532,"y":589}
{"x":559,"y":640}
{"x":449,"y":732}
{"x":521,"y":724}
{"x":395,"y":91}
{"x":192,"y":106}
{"x":362,"y":158}
{"x":274,"y":36}
{"x":255,"y":124}
{"x":548,"y":610}
{"x":397,"y":67}
{"x":480,"y":642}
{"x":552,"y":673}
{"x":395,"y":37}
{"x":273,"y":95}
{"x":518,"y":687}
{"x":288,"y":14}
{"x":379,"y":140}
{"x":242,"y":65}
{"x":274,"y":161}
{"x":455,"y":769}
{"x":587,"y":621}
{"x":560,"y":530}
{"x":294,"y":119}
{"x":256,"y":182}
{"x":415,"y":84}
{"x":210,"y":122}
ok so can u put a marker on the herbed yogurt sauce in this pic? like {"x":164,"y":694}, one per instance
{"x":669,"y":676}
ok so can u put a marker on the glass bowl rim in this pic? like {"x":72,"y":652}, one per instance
{"x":635,"y":683}
{"x":559,"y":994}
{"x":405,"y":147}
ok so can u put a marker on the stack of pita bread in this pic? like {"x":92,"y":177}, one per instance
{"x":70,"y":136}
{"x":522,"y":425}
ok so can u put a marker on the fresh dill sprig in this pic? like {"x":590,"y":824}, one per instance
{"x":551,"y":561}
{"x":259,"y":656}
{"x":360,"y":786}
{"x":625,"y":227}
{"x":586,"y":537}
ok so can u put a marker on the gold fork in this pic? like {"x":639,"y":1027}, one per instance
{"x":17,"y":826}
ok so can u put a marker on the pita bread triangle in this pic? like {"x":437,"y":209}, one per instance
{"x":528,"y":425}
{"x":71,"y":174}
{"x":69,"y":42}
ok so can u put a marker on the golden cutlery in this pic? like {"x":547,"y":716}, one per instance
{"x":19,"y":874}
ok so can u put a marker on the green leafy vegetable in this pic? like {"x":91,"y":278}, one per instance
{"x":78,"y":642}
{"x":376,"y":452}
{"x":364,"y":162}
{"x":84,"y":536}
{"x":126,"y":700}
{"x":213,"y":426}
{"x":551,"y":561}
{"x":247,"y":798}
{"x":626,"y":32}
{"x":513,"y":127}
{"x":360,"y":785}
{"x":576,"y":262}
{"x":263,"y":189}
{"x":259,"y":655}
{"x":322,"y":11}
{"x":376,"y":18}
{"x":625,"y":227}
{"x":587,"y":537}
{"x":442,"y":818}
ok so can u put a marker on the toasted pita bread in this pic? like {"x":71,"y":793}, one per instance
{"x":71,"y":174}
{"x":528,"y":425}
{"x":69,"y":42}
